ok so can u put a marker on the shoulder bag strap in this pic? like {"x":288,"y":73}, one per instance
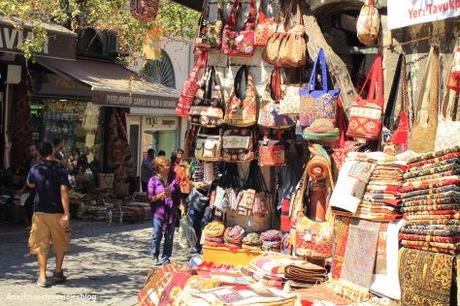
{"x":299,"y":18}
{"x":250,"y":23}
{"x":393,"y":96}
{"x":210,"y":84}
{"x":287,"y":15}
{"x":231,"y":22}
{"x":322,"y":59}
{"x":276,"y":84}
{"x":312,"y":81}
{"x":376,"y":82}
{"x":369,"y":76}
{"x":238,"y":80}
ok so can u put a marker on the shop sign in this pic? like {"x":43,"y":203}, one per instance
{"x":405,"y":13}
{"x":57,"y":44}
{"x":121,"y":99}
{"x":160,"y":123}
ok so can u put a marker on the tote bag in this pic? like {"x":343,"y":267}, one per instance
{"x":239,"y":42}
{"x":210,"y":33}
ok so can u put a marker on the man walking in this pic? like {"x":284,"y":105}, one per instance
{"x":50,"y":222}
{"x":147,"y":169}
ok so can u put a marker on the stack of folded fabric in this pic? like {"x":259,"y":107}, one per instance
{"x":233,"y":236}
{"x":304,"y":274}
{"x":382,"y":198}
{"x":271,"y":240}
{"x":431,"y":202}
{"x":252,"y":242}
{"x":213,"y":234}
{"x":269,"y":269}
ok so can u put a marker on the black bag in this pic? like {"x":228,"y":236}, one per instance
{"x":197,"y":200}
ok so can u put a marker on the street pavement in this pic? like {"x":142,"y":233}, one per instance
{"x":107,"y":265}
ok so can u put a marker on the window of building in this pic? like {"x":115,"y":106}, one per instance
{"x":160,"y":71}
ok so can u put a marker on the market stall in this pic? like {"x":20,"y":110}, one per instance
{"x":313,"y":203}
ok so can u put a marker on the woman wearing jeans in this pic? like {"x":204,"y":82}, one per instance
{"x":163,"y":196}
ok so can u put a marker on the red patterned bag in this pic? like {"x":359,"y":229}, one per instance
{"x":266,"y":26}
{"x":144,"y":10}
{"x":210,"y":34}
{"x":239,"y":43}
{"x":272,"y":153}
{"x":366,"y":114}
{"x":191,"y":86}
{"x":454,"y":76}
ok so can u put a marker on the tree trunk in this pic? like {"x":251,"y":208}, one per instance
{"x":336,"y":66}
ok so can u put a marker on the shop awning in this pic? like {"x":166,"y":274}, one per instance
{"x":197,"y":5}
{"x":60,"y":42}
{"x":113,"y":85}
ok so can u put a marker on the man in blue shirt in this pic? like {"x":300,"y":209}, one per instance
{"x":50,"y":222}
{"x":147,"y":169}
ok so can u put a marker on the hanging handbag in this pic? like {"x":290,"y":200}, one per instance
{"x":269,"y":112}
{"x":423,"y":132}
{"x":272,"y":153}
{"x":191,"y":86}
{"x":397,"y":128}
{"x":313,"y":239}
{"x":208,"y":146}
{"x":208,"y":106}
{"x":368,"y":23}
{"x":365,"y":120}
{"x":239,"y":43}
{"x":210,"y":33}
{"x":265,"y":27}
{"x":288,"y":49}
{"x":290,"y":99}
{"x":241,"y":108}
{"x":318,"y":108}
{"x":144,"y":10}
{"x":453,"y":81}
{"x":238,"y":145}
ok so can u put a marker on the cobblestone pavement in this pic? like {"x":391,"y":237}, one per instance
{"x":107,"y":265}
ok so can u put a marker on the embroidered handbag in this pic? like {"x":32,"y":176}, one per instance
{"x":365,"y":121}
{"x":208,"y":106}
{"x":313,"y":239}
{"x":453,"y":81}
{"x":210,"y":34}
{"x":290,"y":100}
{"x":241,"y":108}
{"x":265,"y":27}
{"x":288,"y":49}
{"x":238,"y":145}
{"x":144,"y":10}
{"x":269,"y":113}
{"x":272,"y":153}
{"x":208,"y":147}
{"x":318,"y":107}
{"x":190,"y":88}
{"x":368,"y":23}
{"x":239,"y":42}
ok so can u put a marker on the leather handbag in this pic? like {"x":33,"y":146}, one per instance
{"x":269,"y":112}
{"x":365,"y":121}
{"x":241,"y":108}
{"x":238,"y":145}
{"x":312,"y":239}
{"x":272,"y":153}
{"x":318,"y":107}
{"x":210,"y":33}
{"x":239,"y":42}
{"x":288,"y":49}
{"x":144,"y":10}
{"x":191,"y":86}
{"x":208,"y":147}
{"x":453,"y":82}
{"x":423,"y":132}
{"x":368,"y":23}
{"x":265,"y":27}
{"x":208,"y":106}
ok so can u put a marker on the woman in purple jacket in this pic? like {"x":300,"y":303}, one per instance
{"x":163,"y":196}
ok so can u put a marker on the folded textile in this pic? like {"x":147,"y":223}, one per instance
{"x":251,"y":248}
{"x":214,"y":229}
{"x":215,"y":244}
{"x":252,"y":239}
{"x":435,"y":169}
{"x":432,"y":217}
{"x":426,"y":278}
{"x":271,"y":246}
{"x":450,"y":212}
{"x":271,"y":235}
{"x":214,"y":239}
{"x":433,"y":222}
{"x":429,"y":238}
{"x":274,"y":264}
{"x":431,"y":192}
{"x":306,"y":273}
{"x":440,"y":198}
{"x":322,"y":293}
{"x":432,"y":249}
{"x":234,"y":234}
{"x":442,"y":245}
{"x":425,"y":165}
{"x":452,"y":172}
{"x":341,"y":229}
{"x":429,"y":184}
{"x":447,"y":231}
{"x":455,"y":150}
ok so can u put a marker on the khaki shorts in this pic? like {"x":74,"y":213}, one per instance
{"x":46,"y":230}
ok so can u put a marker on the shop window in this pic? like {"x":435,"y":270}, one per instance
{"x":160,"y":71}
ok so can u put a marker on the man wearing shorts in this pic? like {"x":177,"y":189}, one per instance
{"x":50,"y":222}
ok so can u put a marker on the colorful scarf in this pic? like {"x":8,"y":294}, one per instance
{"x":429,"y":238}
{"x":431,"y":192}
{"x":437,"y":169}
{"x":430,"y":184}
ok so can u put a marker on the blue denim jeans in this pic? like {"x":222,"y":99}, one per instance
{"x":158,"y":233}
{"x":199,"y":221}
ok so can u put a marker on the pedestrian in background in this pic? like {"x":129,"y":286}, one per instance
{"x":163,"y":196}
{"x":147,"y":169}
{"x":50,"y":222}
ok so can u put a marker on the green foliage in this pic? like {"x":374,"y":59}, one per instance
{"x":112,"y":15}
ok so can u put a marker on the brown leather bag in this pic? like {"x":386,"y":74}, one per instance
{"x":288,"y":49}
